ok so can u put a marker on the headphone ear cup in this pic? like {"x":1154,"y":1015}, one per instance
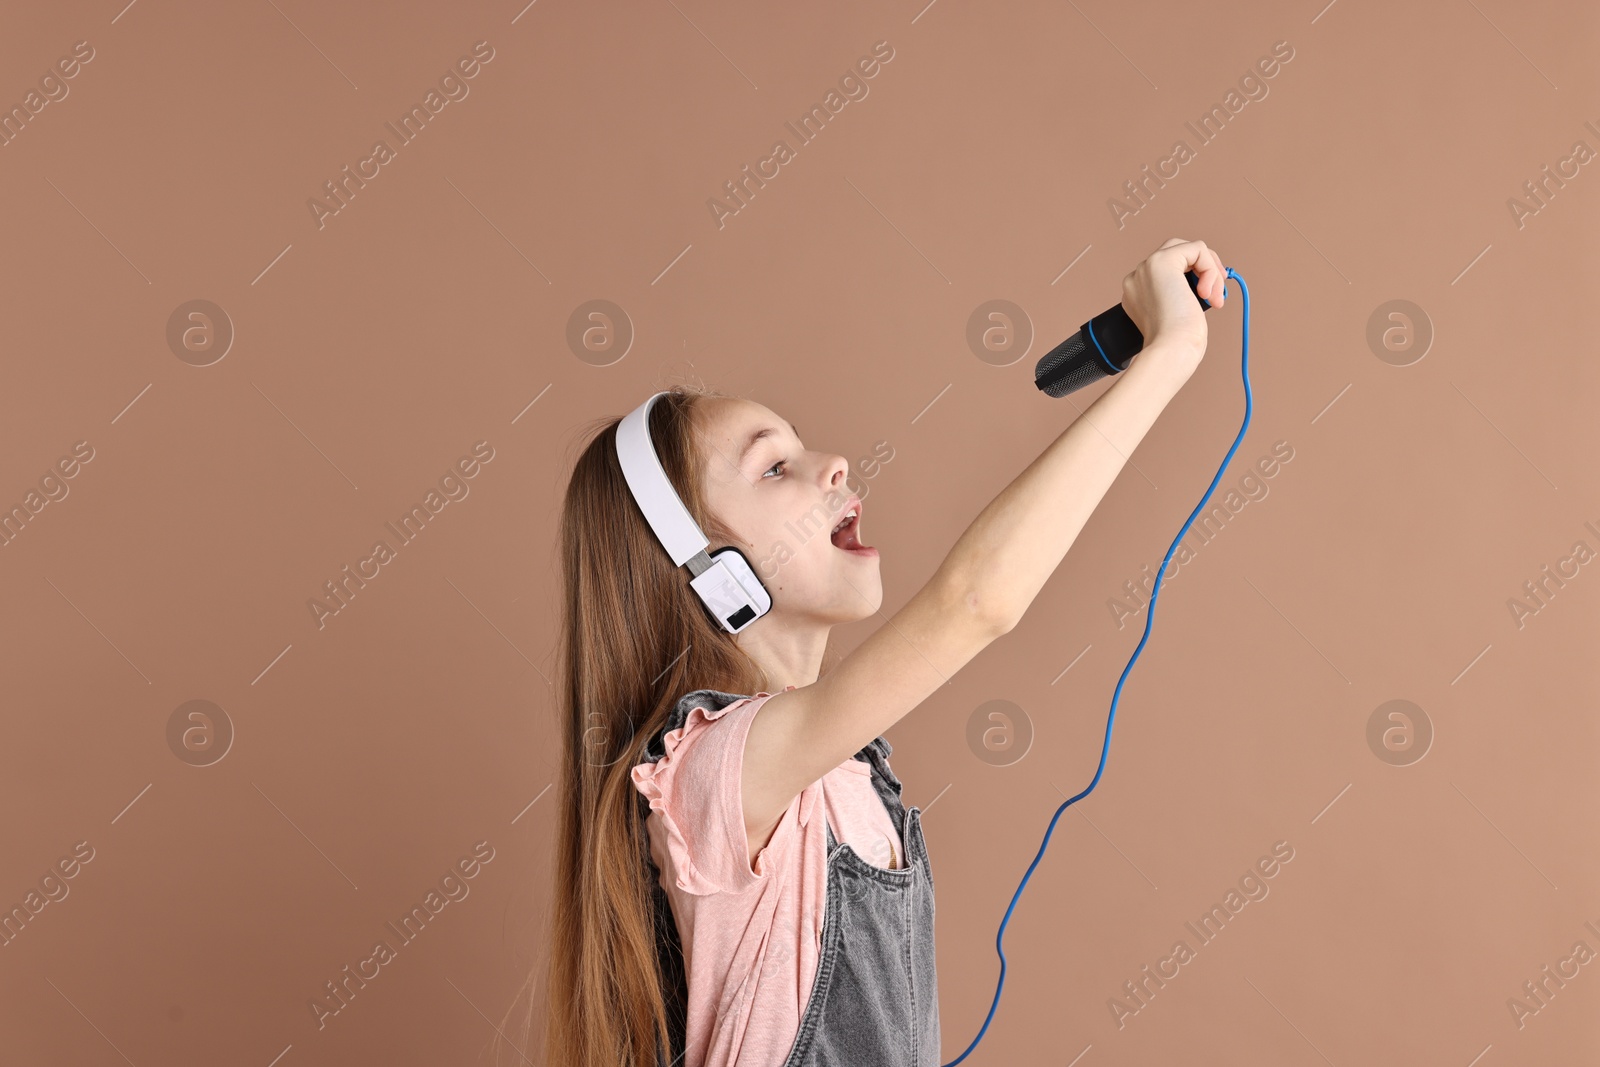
{"x":731,"y":591}
{"x":740,"y":565}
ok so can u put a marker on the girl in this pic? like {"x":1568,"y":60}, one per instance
{"x":707,"y":912}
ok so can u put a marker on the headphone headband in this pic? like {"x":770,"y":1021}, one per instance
{"x":674,"y":527}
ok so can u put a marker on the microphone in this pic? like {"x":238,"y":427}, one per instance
{"x":1103,"y":346}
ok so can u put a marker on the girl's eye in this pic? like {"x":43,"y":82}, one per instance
{"x":774,"y":467}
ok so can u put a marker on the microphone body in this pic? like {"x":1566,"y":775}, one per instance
{"x":1103,"y":346}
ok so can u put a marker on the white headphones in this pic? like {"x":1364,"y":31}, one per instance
{"x":724,"y":581}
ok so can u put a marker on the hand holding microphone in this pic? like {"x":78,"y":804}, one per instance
{"x":1153,"y":306}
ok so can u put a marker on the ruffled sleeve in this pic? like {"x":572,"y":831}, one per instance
{"x":695,"y":789}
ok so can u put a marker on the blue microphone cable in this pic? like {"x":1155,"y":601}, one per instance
{"x":1150,"y":616}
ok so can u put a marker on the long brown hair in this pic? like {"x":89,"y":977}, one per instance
{"x":634,"y":639}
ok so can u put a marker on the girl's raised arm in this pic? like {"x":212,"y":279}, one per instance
{"x":996,"y":567}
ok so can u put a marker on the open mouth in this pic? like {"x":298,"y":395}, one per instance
{"x":846,"y":535}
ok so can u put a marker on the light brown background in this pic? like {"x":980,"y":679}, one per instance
{"x":432,"y":311}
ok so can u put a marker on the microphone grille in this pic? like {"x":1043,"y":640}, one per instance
{"x":1068,"y":380}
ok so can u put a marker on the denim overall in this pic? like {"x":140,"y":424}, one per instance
{"x":875,"y":998}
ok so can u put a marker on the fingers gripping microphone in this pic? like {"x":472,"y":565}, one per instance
{"x":1103,"y":346}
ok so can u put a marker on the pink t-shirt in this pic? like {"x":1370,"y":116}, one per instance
{"x":751,"y":938}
